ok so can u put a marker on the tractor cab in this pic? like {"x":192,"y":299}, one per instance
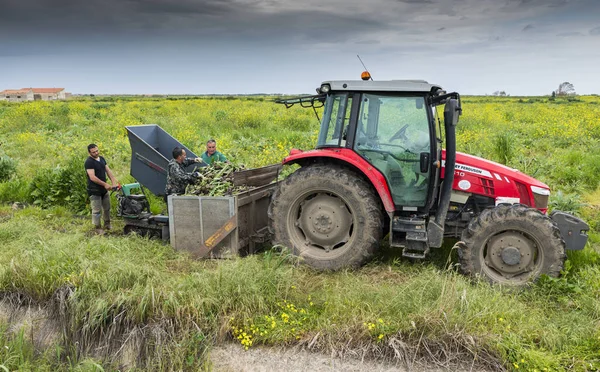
{"x":391,"y":125}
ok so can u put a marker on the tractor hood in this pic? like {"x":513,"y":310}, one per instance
{"x":476,"y":175}
{"x":494,"y":170}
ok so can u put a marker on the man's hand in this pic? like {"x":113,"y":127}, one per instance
{"x":107,"y":186}
{"x":197,"y":160}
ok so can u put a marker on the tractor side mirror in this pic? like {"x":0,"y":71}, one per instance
{"x":424,"y":162}
{"x":451,"y":112}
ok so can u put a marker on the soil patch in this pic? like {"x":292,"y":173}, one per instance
{"x":233,"y":358}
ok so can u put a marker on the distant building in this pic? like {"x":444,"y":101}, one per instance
{"x":49,"y":94}
{"x":34,"y":94}
{"x":17,"y":95}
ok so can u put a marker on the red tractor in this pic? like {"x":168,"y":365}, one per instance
{"x":378,"y":168}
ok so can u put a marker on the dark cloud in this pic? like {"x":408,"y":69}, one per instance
{"x":416,"y":1}
{"x":368,"y":42}
{"x":189,"y":17}
{"x":545,"y":3}
{"x":595,"y":31}
{"x":288,"y":27}
{"x":69,"y":25}
{"x":182,"y":7}
{"x":527,"y":28}
{"x":570,"y":34}
{"x":558,"y":3}
{"x":534,"y":8}
{"x":63,"y":16}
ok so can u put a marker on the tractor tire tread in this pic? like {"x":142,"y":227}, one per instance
{"x":490,"y":221}
{"x":355,"y":188}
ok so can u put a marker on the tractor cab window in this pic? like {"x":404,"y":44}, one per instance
{"x":335,"y":120}
{"x":391,"y":133}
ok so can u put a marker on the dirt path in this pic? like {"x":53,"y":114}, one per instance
{"x":233,"y":358}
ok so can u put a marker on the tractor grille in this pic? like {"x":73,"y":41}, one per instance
{"x":488,"y":186}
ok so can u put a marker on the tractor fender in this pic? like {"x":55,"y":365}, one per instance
{"x":573,"y":230}
{"x":350,"y":158}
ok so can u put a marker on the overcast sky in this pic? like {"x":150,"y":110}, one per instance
{"x":524,"y":47}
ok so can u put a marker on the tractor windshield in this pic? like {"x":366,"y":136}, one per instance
{"x":335,"y":120}
{"x":391,"y":133}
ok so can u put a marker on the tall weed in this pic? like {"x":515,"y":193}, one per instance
{"x":14,"y":190}
{"x":566,"y":202}
{"x":8,"y":168}
{"x":504,"y":147}
{"x":62,"y":185}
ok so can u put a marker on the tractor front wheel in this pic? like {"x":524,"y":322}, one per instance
{"x":511,"y":244}
{"x":327,"y":215}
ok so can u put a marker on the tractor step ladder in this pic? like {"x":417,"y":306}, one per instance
{"x":410,"y":234}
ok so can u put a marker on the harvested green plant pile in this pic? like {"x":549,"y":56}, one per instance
{"x":216,"y":180}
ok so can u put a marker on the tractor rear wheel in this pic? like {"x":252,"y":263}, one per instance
{"x":511,"y":244}
{"x":328,"y":216}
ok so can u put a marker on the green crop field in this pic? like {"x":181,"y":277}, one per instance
{"x":122,"y":302}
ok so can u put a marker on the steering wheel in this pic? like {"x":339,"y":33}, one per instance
{"x":400,"y":134}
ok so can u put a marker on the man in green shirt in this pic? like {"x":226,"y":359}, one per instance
{"x":211,"y":154}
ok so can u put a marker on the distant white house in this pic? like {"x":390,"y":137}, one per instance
{"x":33,"y":94}
{"x":17,"y":95}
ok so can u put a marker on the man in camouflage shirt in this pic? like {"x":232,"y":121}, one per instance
{"x":177,"y":177}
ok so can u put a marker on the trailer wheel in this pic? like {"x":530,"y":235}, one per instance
{"x":327,"y":215}
{"x":511,"y":244}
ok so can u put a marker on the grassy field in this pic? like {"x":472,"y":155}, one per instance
{"x":122,"y":302}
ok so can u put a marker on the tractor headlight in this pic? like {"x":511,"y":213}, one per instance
{"x":325,"y":88}
{"x":540,"y":197}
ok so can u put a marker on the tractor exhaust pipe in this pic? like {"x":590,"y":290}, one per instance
{"x":435,"y":230}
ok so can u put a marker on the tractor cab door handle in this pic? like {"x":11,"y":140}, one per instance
{"x":424,"y":162}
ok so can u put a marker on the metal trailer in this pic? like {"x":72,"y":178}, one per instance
{"x":206,"y":226}
{"x":203,"y":226}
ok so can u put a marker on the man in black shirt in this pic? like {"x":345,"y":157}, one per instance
{"x":97,"y":188}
